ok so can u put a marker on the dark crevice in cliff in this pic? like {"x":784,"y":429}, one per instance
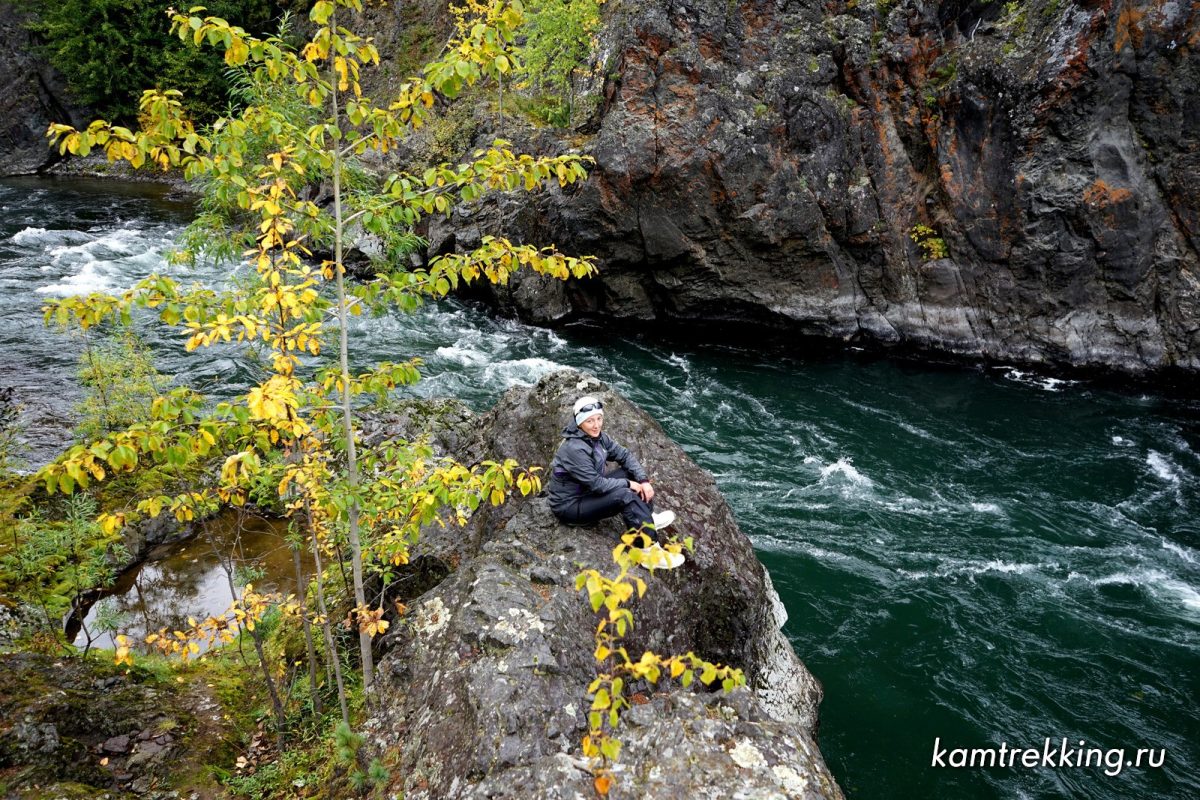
{"x":57,"y":112}
{"x":964,"y":17}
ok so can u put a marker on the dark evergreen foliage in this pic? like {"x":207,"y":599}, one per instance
{"x":110,"y":50}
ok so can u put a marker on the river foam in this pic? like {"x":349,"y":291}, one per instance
{"x":1163,"y":467}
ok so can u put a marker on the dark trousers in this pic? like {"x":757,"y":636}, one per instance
{"x":589,"y":508}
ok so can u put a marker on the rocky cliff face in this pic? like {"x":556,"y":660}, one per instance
{"x":768,"y":161}
{"x":484,"y":689}
{"x":32,"y":97}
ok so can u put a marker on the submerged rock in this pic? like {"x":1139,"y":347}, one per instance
{"x":484,"y":690}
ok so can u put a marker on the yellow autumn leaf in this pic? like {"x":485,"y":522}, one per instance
{"x":123,"y":654}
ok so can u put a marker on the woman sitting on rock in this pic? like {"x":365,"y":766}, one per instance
{"x":582,"y":492}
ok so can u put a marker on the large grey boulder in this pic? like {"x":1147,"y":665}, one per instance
{"x":483,"y":692}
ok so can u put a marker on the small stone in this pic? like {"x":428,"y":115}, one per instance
{"x":544,"y":574}
{"x":150,"y":748}
{"x":117,"y":744}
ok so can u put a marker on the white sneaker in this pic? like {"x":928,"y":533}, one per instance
{"x":663,"y":519}
{"x":657,"y":558}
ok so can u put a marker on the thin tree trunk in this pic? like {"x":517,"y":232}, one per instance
{"x":323,"y":611}
{"x":142,"y":604}
{"x":272,"y":690}
{"x":101,"y":383}
{"x":302,"y":595}
{"x":87,"y":648}
{"x":347,"y":584}
{"x":570,"y":101}
{"x":356,"y":564}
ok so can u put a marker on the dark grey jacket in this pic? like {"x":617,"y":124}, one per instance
{"x":578,"y":466}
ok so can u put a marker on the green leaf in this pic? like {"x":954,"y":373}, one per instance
{"x":611,"y":748}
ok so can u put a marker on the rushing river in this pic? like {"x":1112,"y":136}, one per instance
{"x":983,"y":556}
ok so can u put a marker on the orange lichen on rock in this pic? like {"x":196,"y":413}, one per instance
{"x":1101,"y":195}
{"x":1129,"y":30}
{"x":946,"y":173}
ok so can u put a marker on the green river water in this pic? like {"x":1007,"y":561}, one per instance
{"x":983,"y":556}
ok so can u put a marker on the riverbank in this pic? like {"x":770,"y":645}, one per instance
{"x":1001,"y":183}
{"x":785,"y":345}
{"x":97,"y":167}
{"x":77,"y":727}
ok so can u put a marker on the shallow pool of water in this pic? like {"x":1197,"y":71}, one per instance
{"x":195,"y":578}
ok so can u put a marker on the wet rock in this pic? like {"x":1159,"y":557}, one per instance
{"x":486,"y":680}
{"x":117,"y":744}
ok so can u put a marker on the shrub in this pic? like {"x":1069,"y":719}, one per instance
{"x":932,"y":246}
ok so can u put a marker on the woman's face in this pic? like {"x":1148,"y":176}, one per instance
{"x":592,"y":425}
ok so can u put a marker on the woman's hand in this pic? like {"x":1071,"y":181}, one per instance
{"x":644,"y":490}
